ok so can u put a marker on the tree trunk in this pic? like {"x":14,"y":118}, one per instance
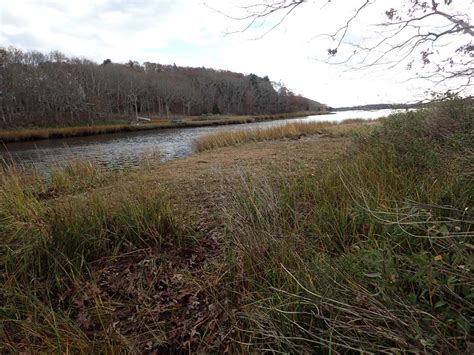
{"x":160,"y":106}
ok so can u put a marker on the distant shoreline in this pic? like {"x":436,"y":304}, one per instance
{"x":377,"y":107}
{"x":34,"y":134}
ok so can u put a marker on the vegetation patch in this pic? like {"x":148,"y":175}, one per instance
{"x":371,"y":251}
{"x":373,"y":254}
{"x":26,"y":134}
{"x":94,"y":273}
{"x":294,"y":130}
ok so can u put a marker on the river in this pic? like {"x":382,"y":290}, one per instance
{"x":128,"y":149}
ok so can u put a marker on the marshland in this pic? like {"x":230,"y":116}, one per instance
{"x":127,"y":149}
{"x":302,"y":237}
{"x":251,"y":177}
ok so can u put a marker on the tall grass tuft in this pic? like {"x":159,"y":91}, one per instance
{"x":53,"y":251}
{"x":77,"y":176}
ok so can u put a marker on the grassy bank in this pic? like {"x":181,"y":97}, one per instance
{"x":24,"y":134}
{"x":74,"y":261}
{"x":293,"y":130}
{"x":374,"y":253}
{"x":368,"y":251}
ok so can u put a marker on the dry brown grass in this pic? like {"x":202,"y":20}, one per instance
{"x":160,"y":295}
{"x":294,"y":246}
{"x":294,"y":130}
{"x":224,"y":139}
{"x":19,"y":135}
{"x":25,"y":134}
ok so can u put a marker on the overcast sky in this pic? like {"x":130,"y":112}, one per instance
{"x":191,"y":33}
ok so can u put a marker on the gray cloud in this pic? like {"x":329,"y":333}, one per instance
{"x":27,"y":40}
{"x":87,"y":26}
{"x":138,"y":14}
{"x":8,"y":18}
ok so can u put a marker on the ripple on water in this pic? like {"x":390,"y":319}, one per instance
{"x":123,"y":150}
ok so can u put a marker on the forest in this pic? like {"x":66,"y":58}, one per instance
{"x":38,"y":89}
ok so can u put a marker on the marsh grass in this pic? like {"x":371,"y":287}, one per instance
{"x":54,"y":252}
{"x":222,"y":139}
{"x":75,"y":176}
{"x":294,"y":130}
{"x":52,"y":295}
{"x":30,"y":134}
{"x":372,"y":254}
{"x":19,"y":135}
{"x":256,"y":118}
{"x":79,"y":176}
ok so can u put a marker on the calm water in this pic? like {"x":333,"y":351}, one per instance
{"x":129,"y":149}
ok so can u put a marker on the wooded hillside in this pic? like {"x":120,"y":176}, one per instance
{"x":53,"y":89}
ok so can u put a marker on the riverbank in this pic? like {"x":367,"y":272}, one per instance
{"x":25,"y":134}
{"x":360,"y":239}
{"x":293,"y":130}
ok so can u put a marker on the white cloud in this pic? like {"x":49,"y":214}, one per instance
{"x":153,"y":30}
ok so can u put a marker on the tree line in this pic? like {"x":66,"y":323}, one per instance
{"x":53,"y":89}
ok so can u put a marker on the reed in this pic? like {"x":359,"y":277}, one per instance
{"x":19,"y":135}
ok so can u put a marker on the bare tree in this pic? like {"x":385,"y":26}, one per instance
{"x":45,"y":89}
{"x":433,"y":39}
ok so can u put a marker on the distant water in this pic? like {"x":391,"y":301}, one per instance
{"x":127,"y":149}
